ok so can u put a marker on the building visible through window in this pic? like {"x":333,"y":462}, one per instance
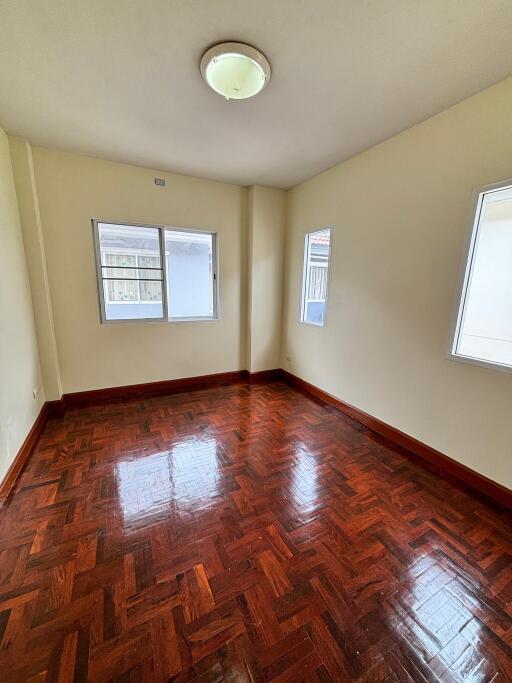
{"x":315,"y":277}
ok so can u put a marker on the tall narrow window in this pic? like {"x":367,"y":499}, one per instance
{"x":317,"y":250}
{"x":484,"y":324}
{"x":155,"y":272}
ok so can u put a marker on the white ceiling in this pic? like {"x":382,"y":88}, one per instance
{"x":119,"y":79}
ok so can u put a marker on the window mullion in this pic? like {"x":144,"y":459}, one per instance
{"x":163,"y":263}
{"x":137,"y":271}
{"x":215,"y":283}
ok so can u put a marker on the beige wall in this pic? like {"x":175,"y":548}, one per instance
{"x":74,"y":189}
{"x":19,"y":360}
{"x":24,"y":179}
{"x":400,"y":215}
{"x":266,"y":222}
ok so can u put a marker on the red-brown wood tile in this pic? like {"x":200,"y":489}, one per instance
{"x":245,"y":533}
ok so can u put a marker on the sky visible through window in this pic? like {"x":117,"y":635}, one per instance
{"x":485,"y":328}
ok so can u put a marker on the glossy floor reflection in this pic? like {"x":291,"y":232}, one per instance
{"x":246,"y":533}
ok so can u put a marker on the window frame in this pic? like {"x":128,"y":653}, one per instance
{"x":466,"y":270}
{"x":95,"y":222}
{"x":302,"y":317}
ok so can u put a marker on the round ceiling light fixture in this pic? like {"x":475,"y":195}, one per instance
{"x":235,"y":70}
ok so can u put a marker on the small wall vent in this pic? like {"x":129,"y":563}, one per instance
{"x":160,"y":181}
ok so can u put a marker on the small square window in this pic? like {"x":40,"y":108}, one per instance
{"x":317,"y":251}
{"x":484,"y":323}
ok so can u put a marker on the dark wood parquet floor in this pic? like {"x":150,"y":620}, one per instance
{"x":245,"y":533}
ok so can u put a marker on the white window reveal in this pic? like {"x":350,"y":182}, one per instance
{"x":317,"y":251}
{"x":155,"y":272}
{"x":484,"y":323}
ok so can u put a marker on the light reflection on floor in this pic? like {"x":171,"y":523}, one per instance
{"x":185,"y":476}
{"x":304,"y":479}
{"x":435,"y":603}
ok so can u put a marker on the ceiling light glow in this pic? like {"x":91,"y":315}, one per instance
{"x":235,"y":70}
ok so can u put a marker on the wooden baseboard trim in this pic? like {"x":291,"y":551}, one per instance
{"x":425,"y":455}
{"x":161,"y":388}
{"x":265,"y":376}
{"x":56,"y":408}
{"x":151,"y":389}
{"x":20,"y":461}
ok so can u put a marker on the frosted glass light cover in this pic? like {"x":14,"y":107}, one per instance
{"x":235,"y":71}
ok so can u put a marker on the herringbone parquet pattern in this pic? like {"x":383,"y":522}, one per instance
{"x":245,"y":533}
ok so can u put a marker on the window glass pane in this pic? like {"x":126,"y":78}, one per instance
{"x":121,"y":290}
{"x":149,"y":291}
{"x":131,"y":271}
{"x":189,"y":274}
{"x":116,"y":289}
{"x":485,"y":331}
{"x":316,"y":270}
